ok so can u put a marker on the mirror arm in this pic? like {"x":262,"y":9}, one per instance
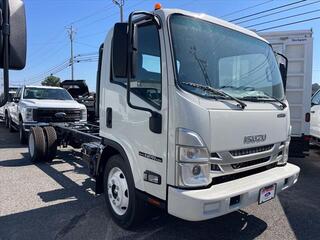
{"x":5,"y":33}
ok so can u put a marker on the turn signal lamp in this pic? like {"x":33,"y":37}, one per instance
{"x":157,"y":6}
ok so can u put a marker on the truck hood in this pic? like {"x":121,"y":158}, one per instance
{"x":44,"y":103}
{"x":232,"y":130}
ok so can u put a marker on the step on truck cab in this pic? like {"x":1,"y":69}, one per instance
{"x":193,"y":118}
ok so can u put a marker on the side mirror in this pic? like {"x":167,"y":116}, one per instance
{"x":15,"y":100}
{"x":13,"y":25}
{"x":12,"y":41}
{"x":120,"y":50}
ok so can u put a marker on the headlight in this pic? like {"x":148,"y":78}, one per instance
{"x":285,"y":154}
{"x":28,"y":114}
{"x":192,"y":159}
{"x":84,"y":114}
{"x":193,"y":154}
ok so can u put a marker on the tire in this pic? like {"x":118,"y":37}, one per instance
{"x":22,"y":133}
{"x":119,"y":184}
{"x":6,"y":120}
{"x":51,"y":143}
{"x":11,"y":128}
{"x":37,"y":145}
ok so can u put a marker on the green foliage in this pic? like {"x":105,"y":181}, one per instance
{"x":51,"y":81}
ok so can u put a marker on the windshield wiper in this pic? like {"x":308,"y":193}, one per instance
{"x":267,"y":96}
{"x":216,"y":91}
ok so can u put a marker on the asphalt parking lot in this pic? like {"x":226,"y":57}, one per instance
{"x":56,"y":201}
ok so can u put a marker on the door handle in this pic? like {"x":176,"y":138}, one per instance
{"x":313,"y":112}
{"x":109,"y":117}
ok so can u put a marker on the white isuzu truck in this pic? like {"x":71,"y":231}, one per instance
{"x":193,"y":119}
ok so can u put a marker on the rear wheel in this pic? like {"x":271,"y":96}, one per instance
{"x":37,"y":144}
{"x":51,"y":143}
{"x":22,"y":133}
{"x":125,"y":206}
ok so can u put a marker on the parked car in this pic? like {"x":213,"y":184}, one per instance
{"x":315,"y":118}
{"x":80,"y":92}
{"x":4,"y":110}
{"x":39,"y":105}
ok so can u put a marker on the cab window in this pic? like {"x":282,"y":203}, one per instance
{"x":147,"y":82}
{"x":316,"y":98}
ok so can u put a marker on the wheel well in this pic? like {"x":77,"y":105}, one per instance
{"x":108,"y":152}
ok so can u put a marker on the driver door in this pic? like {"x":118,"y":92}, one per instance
{"x":130,"y":126}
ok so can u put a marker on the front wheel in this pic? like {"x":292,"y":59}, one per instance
{"x":11,"y":128}
{"x":22,"y":133}
{"x":125,"y":206}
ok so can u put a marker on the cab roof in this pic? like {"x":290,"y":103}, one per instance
{"x":168,"y":11}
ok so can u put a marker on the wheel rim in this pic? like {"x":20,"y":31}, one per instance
{"x":31,"y":145}
{"x":118,"y":192}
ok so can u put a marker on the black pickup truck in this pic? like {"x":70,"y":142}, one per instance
{"x":80,"y":92}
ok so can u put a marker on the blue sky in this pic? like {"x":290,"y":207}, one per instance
{"x":49,"y":46}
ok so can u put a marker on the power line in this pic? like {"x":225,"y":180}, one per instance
{"x":254,"y":14}
{"x":279,"y":19}
{"x":85,"y":44}
{"x":244,"y":9}
{"x":50,"y":69}
{"x":114,"y":14}
{"x":274,"y":13}
{"x":287,"y":24}
{"x":91,"y":15}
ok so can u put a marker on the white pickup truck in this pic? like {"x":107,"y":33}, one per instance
{"x":4,"y":110}
{"x":39,"y":105}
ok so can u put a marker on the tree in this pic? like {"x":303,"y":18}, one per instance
{"x":51,"y":81}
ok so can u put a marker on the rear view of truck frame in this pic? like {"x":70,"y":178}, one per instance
{"x":193,"y":119}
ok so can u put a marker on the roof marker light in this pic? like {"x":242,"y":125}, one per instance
{"x":157,"y":6}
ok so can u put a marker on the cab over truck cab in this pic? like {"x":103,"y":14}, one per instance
{"x":193,"y":118}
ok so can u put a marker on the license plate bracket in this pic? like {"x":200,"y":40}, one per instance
{"x":267,"y":193}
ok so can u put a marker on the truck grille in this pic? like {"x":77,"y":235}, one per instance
{"x":56,"y":115}
{"x":253,"y":150}
{"x":250,"y":163}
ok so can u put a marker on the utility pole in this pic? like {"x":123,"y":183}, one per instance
{"x":71,"y":33}
{"x":120,"y":4}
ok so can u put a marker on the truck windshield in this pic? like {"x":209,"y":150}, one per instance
{"x":211,"y":55}
{"x":46,"y":93}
